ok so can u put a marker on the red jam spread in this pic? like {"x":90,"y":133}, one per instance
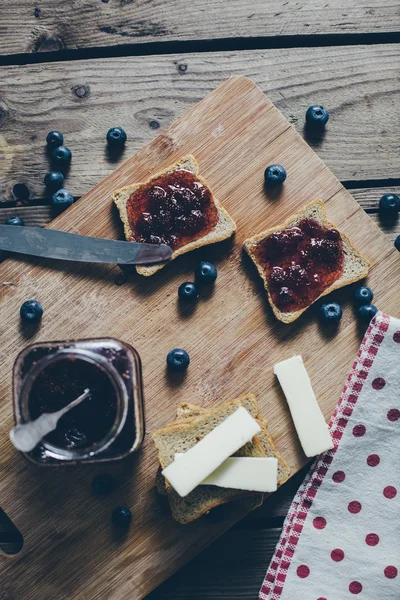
{"x":57,"y":385}
{"x":300,"y":262}
{"x":174,"y":209}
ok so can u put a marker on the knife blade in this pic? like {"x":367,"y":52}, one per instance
{"x":51,"y":243}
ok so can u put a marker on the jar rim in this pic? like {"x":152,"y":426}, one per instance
{"x":65,"y":454}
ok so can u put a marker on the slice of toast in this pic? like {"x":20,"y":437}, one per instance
{"x":183,"y":512}
{"x":224,"y":228}
{"x":179,"y":437}
{"x":249,"y":401}
{"x":356,"y":266}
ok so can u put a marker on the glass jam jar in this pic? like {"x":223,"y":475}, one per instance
{"x":108,"y":425}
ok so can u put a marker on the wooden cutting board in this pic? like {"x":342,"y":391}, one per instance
{"x":70,"y":551}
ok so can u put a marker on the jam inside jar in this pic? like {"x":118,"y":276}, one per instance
{"x":61,"y":382}
{"x":106,"y":426}
{"x":300,"y":262}
{"x":174,"y":208}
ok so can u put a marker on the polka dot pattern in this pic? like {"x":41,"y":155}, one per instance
{"x":303,"y":571}
{"x":372,"y":539}
{"x":337,"y":555}
{"x":378,"y":383}
{"x":319,"y":523}
{"x":339,"y":476}
{"x":393,"y":414}
{"x":354,"y":507}
{"x":373,"y":460}
{"x":390,"y":572}
{"x":342,"y":522}
{"x":390,"y":492}
{"x":355,"y":587}
{"x":359,"y":430}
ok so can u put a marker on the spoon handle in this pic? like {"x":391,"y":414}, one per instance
{"x":27,"y":436}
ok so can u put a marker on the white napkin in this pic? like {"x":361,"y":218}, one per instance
{"x":341,"y":538}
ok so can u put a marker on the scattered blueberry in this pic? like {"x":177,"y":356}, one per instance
{"x":54,"y":139}
{"x":188,"y":292}
{"x":206,"y":272}
{"x":14,"y":220}
{"x":366,"y":312}
{"x":31,"y":310}
{"x":178,"y":359}
{"x":397,"y":243}
{"x":61,"y":156}
{"x":331,"y":311}
{"x":121,"y":517}
{"x":54,"y":180}
{"x":316,"y":116}
{"x":363,"y":295}
{"x":62,"y":199}
{"x":103,"y":484}
{"x":116,"y":136}
{"x":275,"y":175}
{"x":389,"y":205}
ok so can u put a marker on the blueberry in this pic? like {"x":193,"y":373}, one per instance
{"x":121,"y":517}
{"x":62,"y":199}
{"x":397,"y":243}
{"x":178,"y":359}
{"x":389,"y":205}
{"x":206,"y":272}
{"x":275,"y":175}
{"x":31,"y":310}
{"x":316,"y":116}
{"x":14,"y":220}
{"x":54,"y":139}
{"x":103,"y":484}
{"x":116,"y":137}
{"x":61,"y":156}
{"x":366,"y":312}
{"x":54,"y":180}
{"x":363,"y":295}
{"x":331,"y":312}
{"x":188,"y":292}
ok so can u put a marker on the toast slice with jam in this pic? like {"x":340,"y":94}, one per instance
{"x":304,"y":259}
{"x":175,"y":207}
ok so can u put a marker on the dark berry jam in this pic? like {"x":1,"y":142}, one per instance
{"x":300,"y":263}
{"x":57,"y":385}
{"x":174,"y":209}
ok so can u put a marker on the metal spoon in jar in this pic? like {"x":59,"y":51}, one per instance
{"x":26,"y":437}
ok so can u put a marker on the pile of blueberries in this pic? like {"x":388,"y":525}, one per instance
{"x":331,"y":312}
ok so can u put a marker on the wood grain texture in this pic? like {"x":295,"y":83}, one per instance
{"x":358,"y":84}
{"x":368,"y":199}
{"x":232,"y":338}
{"x":31,"y":26}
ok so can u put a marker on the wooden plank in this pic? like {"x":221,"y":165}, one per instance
{"x":232,"y":338}
{"x":34,"y":216}
{"x":358,"y":84}
{"x":29,"y":26}
{"x":232,"y":568}
{"x":368,"y":198}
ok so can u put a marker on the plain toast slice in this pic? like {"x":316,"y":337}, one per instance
{"x":179,"y":437}
{"x":355,"y":268}
{"x":224,"y":228}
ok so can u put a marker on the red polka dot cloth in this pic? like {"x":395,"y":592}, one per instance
{"x":341,"y":538}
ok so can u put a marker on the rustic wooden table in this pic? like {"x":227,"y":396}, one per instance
{"x":87,"y":65}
